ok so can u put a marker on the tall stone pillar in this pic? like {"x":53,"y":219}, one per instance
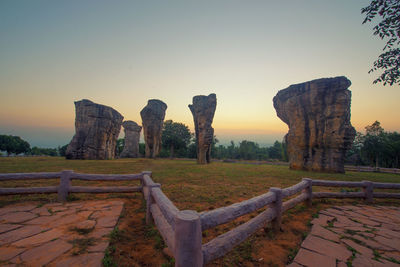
{"x":318,"y":115}
{"x":132,"y":136}
{"x":96,"y":131}
{"x":203,"y":110}
{"x":152,"y":121}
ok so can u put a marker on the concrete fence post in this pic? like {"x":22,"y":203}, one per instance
{"x":65,"y":184}
{"x":277,"y":206}
{"x":308,"y":191}
{"x":368,"y":188}
{"x":149,"y":201}
{"x":188,"y":239}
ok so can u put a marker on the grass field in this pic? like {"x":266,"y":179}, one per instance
{"x":190,"y":186}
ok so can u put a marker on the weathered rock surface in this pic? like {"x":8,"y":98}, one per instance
{"x":152,"y":120}
{"x":132,"y":135}
{"x":96,"y":131}
{"x":203,"y":110}
{"x":318,"y":115}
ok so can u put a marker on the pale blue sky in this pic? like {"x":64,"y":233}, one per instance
{"x":122,"y":53}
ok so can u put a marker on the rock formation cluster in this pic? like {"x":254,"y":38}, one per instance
{"x":96,"y":131}
{"x":152,"y":121}
{"x":203,"y":109}
{"x":132,"y":135}
{"x":318,"y":115}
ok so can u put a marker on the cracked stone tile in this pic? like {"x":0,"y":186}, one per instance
{"x":314,"y":259}
{"x":8,"y":227}
{"x":364,"y":251}
{"x":326,"y":247}
{"x":39,"y":238}
{"x":20,"y":233}
{"x":45,"y":253}
{"x":326,"y":234}
{"x":7,"y":253}
{"x":17,"y":217}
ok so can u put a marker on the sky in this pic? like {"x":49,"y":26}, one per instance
{"x":123,"y":53}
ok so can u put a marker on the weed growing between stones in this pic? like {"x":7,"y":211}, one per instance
{"x":331,"y":222}
{"x":82,"y":231}
{"x":80,"y":245}
{"x":377,"y":255}
{"x":349,"y":262}
{"x":108,"y":259}
{"x":292,"y":254}
{"x":393,"y":260}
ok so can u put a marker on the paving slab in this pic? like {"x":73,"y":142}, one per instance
{"x":358,"y":235}
{"x":313,"y":259}
{"x":51,"y":234}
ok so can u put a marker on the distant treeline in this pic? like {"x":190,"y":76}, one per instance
{"x":375,"y":148}
{"x":244,"y":150}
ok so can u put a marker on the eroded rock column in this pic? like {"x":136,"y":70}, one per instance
{"x":152,"y":121}
{"x":96,"y":131}
{"x":203,"y":110}
{"x":132,"y":135}
{"x":318,"y":115}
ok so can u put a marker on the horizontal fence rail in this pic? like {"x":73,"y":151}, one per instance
{"x":64,"y":188}
{"x":182,"y":230}
{"x":371,"y":169}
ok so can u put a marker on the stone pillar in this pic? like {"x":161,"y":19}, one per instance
{"x":152,"y":121}
{"x":132,"y":136}
{"x":188,"y":239}
{"x":203,"y":109}
{"x":96,"y":131}
{"x":318,"y":115}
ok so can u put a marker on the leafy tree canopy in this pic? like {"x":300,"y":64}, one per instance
{"x":13,"y":144}
{"x":388,"y":28}
{"x":175,"y":135}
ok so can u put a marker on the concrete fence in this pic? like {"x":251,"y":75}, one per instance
{"x":371,"y":169}
{"x":182,"y":229}
{"x":65,"y":183}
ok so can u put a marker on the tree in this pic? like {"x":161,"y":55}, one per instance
{"x":40,"y":151}
{"x":62,"y":150}
{"x":119,"y":146}
{"x":374,"y":142}
{"x":13,"y":144}
{"x":175,"y":136}
{"x":388,"y":28}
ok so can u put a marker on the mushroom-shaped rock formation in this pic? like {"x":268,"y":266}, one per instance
{"x":96,"y":131}
{"x":152,"y":121}
{"x":318,"y":115}
{"x":132,"y":135}
{"x":203,"y":110}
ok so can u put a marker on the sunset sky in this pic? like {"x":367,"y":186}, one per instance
{"x":122,"y":53}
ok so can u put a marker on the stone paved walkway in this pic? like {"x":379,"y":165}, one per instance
{"x":71,"y":234}
{"x":362,"y":236}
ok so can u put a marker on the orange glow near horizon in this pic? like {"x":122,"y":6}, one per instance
{"x":121,"y":56}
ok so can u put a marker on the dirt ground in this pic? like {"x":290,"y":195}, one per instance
{"x":140,"y":245}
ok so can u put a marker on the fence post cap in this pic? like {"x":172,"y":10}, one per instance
{"x":307,"y":179}
{"x":275,"y":189}
{"x":147,"y":172}
{"x":188,"y":215}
